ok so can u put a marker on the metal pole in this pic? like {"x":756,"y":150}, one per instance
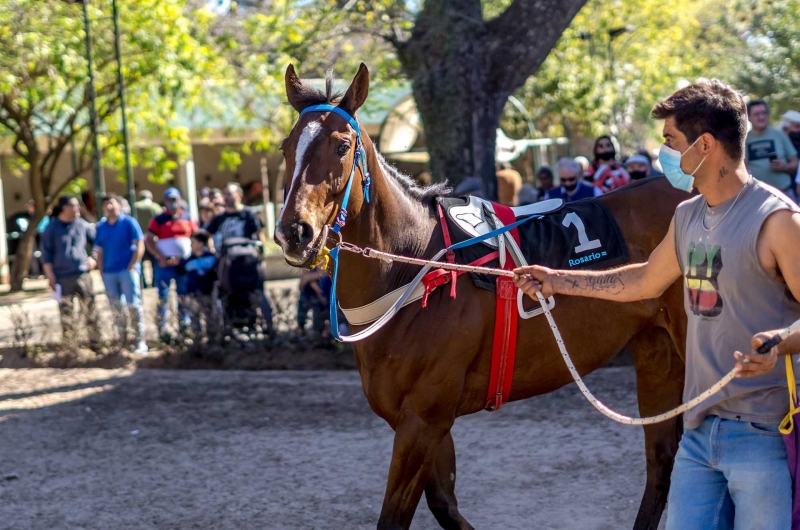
{"x":99,"y":181}
{"x":125,"y":138}
{"x":4,"y":272}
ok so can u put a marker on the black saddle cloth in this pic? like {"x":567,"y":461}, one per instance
{"x":580,"y":235}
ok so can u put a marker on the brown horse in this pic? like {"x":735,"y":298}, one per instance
{"x":429,"y":366}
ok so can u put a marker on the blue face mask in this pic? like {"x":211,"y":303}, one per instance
{"x":670,"y":160}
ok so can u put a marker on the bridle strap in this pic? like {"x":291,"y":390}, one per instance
{"x":359,"y":159}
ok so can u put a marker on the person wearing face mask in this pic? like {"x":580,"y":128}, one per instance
{"x":169,"y":240}
{"x":572,"y":187}
{"x":769,"y":155}
{"x":638,"y":166}
{"x":606,"y":172}
{"x":736,"y":246}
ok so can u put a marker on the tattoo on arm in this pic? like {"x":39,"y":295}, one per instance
{"x":610,"y":283}
{"x":722,"y":173}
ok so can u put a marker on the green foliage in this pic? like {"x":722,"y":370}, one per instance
{"x":576,"y":93}
{"x":764,"y":56}
{"x":314,"y":36}
{"x":44,"y":103}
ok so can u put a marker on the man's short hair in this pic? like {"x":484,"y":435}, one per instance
{"x":755,"y":103}
{"x":104,"y":198}
{"x":570,"y":165}
{"x":711,"y":107}
{"x":146,"y":194}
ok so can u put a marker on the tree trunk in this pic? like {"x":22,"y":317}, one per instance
{"x":24,"y":253}
{"x":22,"y":257}
{"x":463,"y":69}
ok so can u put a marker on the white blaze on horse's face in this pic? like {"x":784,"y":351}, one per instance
{"x":318,"y":170}
{"x":309,"y":133}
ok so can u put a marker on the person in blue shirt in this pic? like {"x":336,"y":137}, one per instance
{"x":200,"y":273}
{"x":120,"y":246}
{"x":573,"y":187}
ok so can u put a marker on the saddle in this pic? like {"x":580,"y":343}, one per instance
{"x":576,"y":235}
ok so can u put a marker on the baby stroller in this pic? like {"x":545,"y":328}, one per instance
{"x":245,"y":306}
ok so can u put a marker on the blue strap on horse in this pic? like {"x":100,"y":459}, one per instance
{"x":334,"y":255}
{"x":359,"y":158}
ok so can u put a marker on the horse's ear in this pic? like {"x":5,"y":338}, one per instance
{"x":356,"y":95}
{"x":294,"y":87}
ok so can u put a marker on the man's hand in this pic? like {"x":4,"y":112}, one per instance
{"x":162,"y":261}
{"x":533,"y":279}
{"x":91,"y":263}
{"x":778,"y":165}
{"x":755,"y":363}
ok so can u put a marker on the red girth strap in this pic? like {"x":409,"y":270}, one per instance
{"x":504,"y":346}
{"x":450,"y":255}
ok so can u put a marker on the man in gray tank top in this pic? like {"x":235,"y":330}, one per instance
{"x":737,"y":248}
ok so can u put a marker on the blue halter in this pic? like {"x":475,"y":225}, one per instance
{"x":359,"y":160}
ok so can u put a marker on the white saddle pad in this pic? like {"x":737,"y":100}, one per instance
{"x":471,"y":217}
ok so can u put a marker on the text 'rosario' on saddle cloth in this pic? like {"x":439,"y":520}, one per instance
{"x":578,"y":235}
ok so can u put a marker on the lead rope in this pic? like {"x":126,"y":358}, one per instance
{"x":627,"y":420}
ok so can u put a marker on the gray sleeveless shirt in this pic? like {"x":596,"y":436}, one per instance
{"x":728,"y":298}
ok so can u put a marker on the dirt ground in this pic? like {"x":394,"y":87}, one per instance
{"x":171,"y":449}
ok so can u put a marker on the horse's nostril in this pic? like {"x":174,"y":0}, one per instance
{"x":305,"y":234}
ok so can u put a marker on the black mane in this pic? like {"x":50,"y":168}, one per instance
{"x":425,"y":195}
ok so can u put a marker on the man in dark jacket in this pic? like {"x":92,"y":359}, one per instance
{"x":67,"y":264}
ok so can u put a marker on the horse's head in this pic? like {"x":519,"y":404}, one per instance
{"x":320,"y":154}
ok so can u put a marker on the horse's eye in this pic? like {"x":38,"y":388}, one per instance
{"x":342,"y":149}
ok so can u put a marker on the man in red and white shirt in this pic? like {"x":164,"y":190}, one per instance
{"x":169,"y":240}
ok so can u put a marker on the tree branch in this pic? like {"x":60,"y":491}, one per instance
{"x":522,"y":36}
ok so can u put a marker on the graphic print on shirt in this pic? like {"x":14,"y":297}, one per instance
{"x":760,"y":149}
{"x":703,"y":265}
{"x":232,"y":227}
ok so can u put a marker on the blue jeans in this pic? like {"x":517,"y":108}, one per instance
{"x":730,"y":474}
{"x":123,"y":290}
{"x":163,"y":279}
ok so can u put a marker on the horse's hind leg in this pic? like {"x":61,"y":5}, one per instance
{"x":659,"y":382}
{"x":440,"y":488}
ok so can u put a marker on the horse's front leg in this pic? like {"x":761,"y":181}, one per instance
{"x":440,"y":488}
{"x":416,"y":444}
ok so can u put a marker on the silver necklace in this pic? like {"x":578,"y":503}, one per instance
{"x":726,"y":213}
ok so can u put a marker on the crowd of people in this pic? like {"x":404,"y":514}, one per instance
{"x":771,"y":156}
{"x":194,"y":257}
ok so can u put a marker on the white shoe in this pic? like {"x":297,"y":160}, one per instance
{"x":141,"y":348}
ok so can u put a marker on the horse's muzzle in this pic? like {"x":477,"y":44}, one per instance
{"x":296,"y":239}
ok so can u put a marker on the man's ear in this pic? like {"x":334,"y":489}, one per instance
{"x":707,"y":143}
{"x":357,"y":92}
{"x":294,"y":88}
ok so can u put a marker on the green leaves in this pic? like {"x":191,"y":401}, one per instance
{"x":168,"y":60}
{"x":593,"y":83}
